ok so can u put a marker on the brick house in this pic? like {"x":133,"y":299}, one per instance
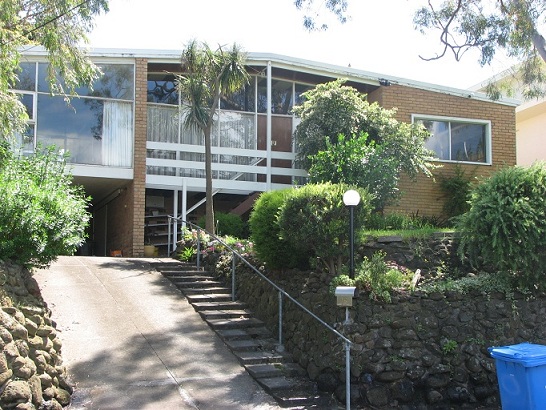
{"x":129,"y":150}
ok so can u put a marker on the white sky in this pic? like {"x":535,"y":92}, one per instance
{"x":380,"y":36}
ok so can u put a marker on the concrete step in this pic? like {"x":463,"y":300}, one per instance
{"x":261,"y":357}
{"x":260,"y":332}
{"x":220,"y":305}
{"x":189,"y":277}
{"x":269,"y":370}
{"x":195,"y":284}
{"x":235,"y":323}
{"x":243,"y":345}
{"x":208,"y":298}
{"x":204,"y":291}
{"x":224,"y":314}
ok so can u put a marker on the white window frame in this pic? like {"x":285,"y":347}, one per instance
{"x":488,"y":137}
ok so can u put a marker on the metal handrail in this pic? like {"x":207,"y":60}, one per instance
{"x":282,"y":292}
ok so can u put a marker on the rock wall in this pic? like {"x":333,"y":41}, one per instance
{"x":419,"y":351}
{"x":31,"y":371}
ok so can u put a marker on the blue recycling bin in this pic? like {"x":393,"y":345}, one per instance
{"x":521,"y":374}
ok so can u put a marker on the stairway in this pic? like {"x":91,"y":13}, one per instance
{"x":247,"y":338}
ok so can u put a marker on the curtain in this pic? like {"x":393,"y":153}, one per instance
{"x":117,"y":134}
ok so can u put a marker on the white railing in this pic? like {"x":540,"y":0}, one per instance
{"x":176,"y":156}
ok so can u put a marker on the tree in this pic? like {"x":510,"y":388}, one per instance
{"x":207,"y":76}
{"x":332,"y":109}
{"x":355,"y":162}
{"x":60,"y":26}
{"x":490,"y":26}
{"x":42,"y":214}
{"x":337,"y":7}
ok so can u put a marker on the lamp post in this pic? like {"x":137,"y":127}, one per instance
{"x":351,"y":198}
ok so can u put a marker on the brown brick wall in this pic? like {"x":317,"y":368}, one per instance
{"x":126,"y":212}
{"x":424,"y":196}
{"x":139,"y":181}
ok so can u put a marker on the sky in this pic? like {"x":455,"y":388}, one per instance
{"x":379,"y":36}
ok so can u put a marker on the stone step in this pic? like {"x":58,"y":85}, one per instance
{"x":208,"y":298}
{"x":182,"y":271}
{"x":220,"y":305}
{"x":224,"y":314}
{"x":235,"y":323}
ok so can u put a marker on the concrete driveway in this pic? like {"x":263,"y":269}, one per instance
{"x":131,"y":341}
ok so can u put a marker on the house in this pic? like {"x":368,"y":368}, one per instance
{"x":530,"y":134}
{"x":129,"y":150}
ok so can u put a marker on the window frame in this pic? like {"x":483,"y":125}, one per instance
{"x":460,"y":120}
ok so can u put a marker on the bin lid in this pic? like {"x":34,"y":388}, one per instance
{"x":526,"y":354}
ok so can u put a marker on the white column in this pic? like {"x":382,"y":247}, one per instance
{"x":268,"y":128}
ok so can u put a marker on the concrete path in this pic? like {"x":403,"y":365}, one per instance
{"x":131,"y":341}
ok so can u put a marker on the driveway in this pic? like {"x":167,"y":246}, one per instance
{"x":131,"y":341}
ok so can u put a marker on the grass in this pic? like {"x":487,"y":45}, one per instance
{"x":365,"y":235}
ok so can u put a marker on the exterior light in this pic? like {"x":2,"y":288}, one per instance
{"x":351,"y":198}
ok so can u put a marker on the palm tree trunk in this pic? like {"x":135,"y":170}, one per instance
{"x":209,"y":209}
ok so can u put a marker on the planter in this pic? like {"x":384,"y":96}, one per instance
{"x":150,"y":251}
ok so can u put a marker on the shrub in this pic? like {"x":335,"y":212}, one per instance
{"x":227,"y":224}
{"x":456,"y":190}
{"x":270,"y":248}
{"x":42,"y":214}
{"x":375,"y":276}
{"x":314,"y":218}
{"x":506,"y":224}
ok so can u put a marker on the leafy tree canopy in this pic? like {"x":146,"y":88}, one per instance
{"x":60,"y":26}
{"x":313,"y":12}
{"x":333,"y":109}
{"x":488,"y":26}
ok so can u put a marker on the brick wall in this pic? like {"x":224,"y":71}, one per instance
{"x":125,"y":213}
{"x":139,"y":182}
{"x":424,"y":195}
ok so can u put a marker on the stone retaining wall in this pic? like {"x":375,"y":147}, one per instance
{"x":31,"y":371}
{"x":419,"y":351}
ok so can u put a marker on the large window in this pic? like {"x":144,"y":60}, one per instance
{"x":454,"y":139}
{"x":95,"y":127}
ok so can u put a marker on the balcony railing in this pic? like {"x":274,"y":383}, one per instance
{"x":175,"y":154}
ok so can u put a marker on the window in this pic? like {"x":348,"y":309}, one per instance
{"x":454,"y":139}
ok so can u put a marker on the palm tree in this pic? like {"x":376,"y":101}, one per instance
{"x":208,"y":75}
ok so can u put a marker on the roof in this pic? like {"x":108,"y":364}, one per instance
{"x":296,"y":64}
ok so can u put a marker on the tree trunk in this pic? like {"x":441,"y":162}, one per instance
{"x":209,"y":209}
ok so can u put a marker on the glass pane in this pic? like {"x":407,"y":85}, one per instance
{"x":300,"y":89}
{"x":76,"y":128}
{"x":162,"y":89}
{"x":242,"y":100}
{"x":439,"y":138}
{"x":116,"y":81}
{"x":162,"y":123}
{"x":28,"y":102}
{"x":468,"y":142}
{"x":281,"y":96}
{"x":24,"y":143}
{"x":26,"y":78}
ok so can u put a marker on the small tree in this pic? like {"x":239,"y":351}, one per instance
{"x":353,"y":161}
{"x":383,"y":146}
{"x":207,"y":76}
{"x":42,"y":214}
{"x":314,"y":219}
{"x":506,"y":224}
